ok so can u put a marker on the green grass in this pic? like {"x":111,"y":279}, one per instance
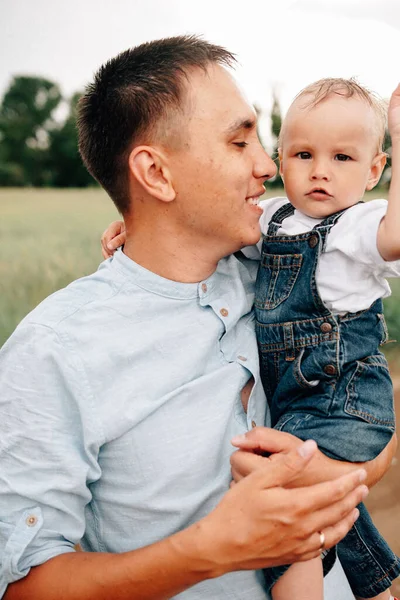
{"x":50,"y":237}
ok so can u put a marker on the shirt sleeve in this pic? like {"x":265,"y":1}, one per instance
{"x":356,"y":236}
{"x":48,"y":450}
{"x":269,"y":206}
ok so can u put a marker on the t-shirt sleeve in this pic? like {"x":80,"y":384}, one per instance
{"x":356,"y":236}
{"x":48,"y":450}
{"x":269,"y":206}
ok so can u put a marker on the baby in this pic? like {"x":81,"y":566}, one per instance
{"x":324,"y":258}
{"x":318,"y":305}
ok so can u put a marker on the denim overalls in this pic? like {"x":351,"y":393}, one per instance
{"x":325,"y":379}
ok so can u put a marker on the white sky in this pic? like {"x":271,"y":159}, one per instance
{"x":281,"y":44}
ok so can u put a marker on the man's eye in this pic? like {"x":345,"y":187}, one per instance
{"x":304,"y":155}
{"x":342,"y":157}
{"x":241,"y":144}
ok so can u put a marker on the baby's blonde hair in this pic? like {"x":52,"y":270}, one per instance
{"x":321,"y":89}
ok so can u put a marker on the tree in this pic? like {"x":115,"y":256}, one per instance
{"x":26,"y":117}
{"x":65,"y":163}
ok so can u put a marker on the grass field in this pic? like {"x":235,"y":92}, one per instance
{"x":50,"y":237}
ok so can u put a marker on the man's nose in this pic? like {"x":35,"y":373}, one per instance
{"x":265,"y":168}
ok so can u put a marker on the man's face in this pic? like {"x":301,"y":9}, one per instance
{"x":219,"y":171}
{"x":327,"y":154}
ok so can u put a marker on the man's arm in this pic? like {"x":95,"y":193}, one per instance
{"x":258,"y":523}
{"x":261,"y":440}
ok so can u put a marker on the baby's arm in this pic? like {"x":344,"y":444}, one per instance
{"x":113,"y":237}
{"x":303,"y":581}
{"x":389,"y":229}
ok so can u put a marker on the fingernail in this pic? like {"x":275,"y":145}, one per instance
{"x":365,"y":492}
{"x":238,"y":439}
{"x":362,"y":475}
{"x":110,"y":246}
{"x":307,"y":449}
{"x":355,"y":515}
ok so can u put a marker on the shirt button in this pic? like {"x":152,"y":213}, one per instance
{"x":204,"y":287}
{"x":243,"y":358}
{"x":31,"y":521}
{"x":326,"y":327}
{"x":313,"y":241}
{"x":330,"y":369}
{"x":253,"y":424}
{"x":224,"y":312}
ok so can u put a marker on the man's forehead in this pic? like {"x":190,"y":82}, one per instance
{"x":215,"y":93}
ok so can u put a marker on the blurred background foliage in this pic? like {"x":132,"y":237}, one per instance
{"x":36,"y":149}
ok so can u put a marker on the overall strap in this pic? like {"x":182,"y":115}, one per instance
{"x":276,"y":221}
{"x":326,"y":225}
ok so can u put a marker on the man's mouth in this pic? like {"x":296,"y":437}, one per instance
{"x":254,"y":200}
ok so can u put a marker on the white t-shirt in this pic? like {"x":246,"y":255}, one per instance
{"x":351,"y":272}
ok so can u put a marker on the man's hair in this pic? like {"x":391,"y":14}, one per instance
{"x":323,"y":88}
{"x":132,"y":96}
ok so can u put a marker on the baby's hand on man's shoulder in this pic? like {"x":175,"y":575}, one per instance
{"x":113,"y":237}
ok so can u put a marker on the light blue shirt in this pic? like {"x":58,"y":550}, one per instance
{"x":118,"y":399}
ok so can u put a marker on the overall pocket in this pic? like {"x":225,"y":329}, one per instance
{"x":298,"y":373}
{"x":275,"y":280}
{"x":370,"y":392}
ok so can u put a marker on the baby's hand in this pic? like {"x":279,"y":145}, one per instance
{"x":394,"y":114}
{"x":113,"y":237}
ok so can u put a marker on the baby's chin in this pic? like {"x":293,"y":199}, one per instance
{"x":321,"y":210}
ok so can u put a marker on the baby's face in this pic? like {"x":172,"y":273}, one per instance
{"x":329,"y":154}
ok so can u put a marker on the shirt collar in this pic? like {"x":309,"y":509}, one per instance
{"x":147,"y":280}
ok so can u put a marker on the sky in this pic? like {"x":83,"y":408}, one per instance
{"x":281,"y":45}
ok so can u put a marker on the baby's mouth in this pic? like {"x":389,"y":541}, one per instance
{"x":318,"y":191}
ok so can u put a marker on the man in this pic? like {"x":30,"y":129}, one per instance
{"x":121,"y":393}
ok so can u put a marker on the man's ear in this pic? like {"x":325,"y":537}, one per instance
{"x":280,"y":155}
{"x":149,"y":167}
{"x":376,"y":170}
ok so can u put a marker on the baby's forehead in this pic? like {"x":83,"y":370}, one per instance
{"x":335,"y":109}
{"x":334,"y":101}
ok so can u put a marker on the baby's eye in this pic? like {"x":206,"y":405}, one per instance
{"x":241,"y":144}
{"x":304,"y":155}
{"x":342,"y":157}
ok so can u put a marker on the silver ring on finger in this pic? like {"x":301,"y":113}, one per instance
{"x":321,"y":540}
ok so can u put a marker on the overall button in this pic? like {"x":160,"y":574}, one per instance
{"x":224,"y":312}
{"x":326,"y":327}
{"x":253,"y":424}
{"x":31,"y":521}
{"x":330,"y":369}
{"x":242,"y":358}
{"x":204,"y":287}
{"x":313,"y":241}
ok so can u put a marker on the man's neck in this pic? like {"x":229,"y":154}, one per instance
{"x":166,"y":254}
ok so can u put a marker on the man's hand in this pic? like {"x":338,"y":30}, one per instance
{"x":260,"y":523}
{"x":258,"y":442}
{"x":113,"y":237}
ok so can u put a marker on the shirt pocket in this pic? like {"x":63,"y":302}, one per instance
{"x":370,"y":392}
{"x":275,"y":280}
